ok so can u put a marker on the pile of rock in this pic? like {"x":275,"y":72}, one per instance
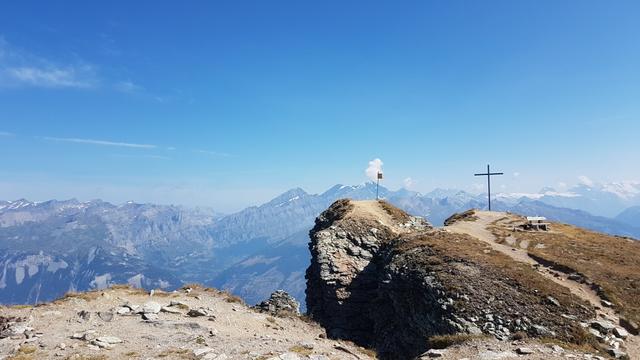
{"x":607,"y":333}
{"x":280,"y":303}
{"x":15,"y":328}
{"x":150,"y":310}
{"x":95,"y":342}
{"x":416,"y":223}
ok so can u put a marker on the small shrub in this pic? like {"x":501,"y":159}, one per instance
{"x":230,"y":298}
{"x":520,"y":335}
{"x":469,"y":215}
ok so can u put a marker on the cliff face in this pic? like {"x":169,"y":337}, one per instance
{"x":389,"y":281}
{"x":342,"y":280}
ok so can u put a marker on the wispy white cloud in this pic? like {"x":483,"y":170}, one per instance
{"x":6,"y":133}
{"x":100,"y":142}
{"x":212,"y":153}
{"x":72,"y":76}
{"x":375,"y":167}
{"x":516,"y":174}
{"x":128,"y":87}
{"x":21,"y":68}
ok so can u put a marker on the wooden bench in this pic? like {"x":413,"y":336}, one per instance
{"x":537,"y":223}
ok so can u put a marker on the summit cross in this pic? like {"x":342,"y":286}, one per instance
{"x":488,"y":174}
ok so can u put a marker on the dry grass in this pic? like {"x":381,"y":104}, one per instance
{"x":608,"y":261}
{"x":468,"y":248}
{"x":87,"y":295}
{"x":463,"y":263}
{"x":587,"y":347}
{"x":301,"y":350}
{"x":445,"y":341}
{"x":95,"y":294}
{"x":469,"y":215}
{"x":519,"y":335}
{"x":21,"y":306}
{"x":86,"y":357}
{"x":25,"y":352}
{"x":176,"y":353}
{"x":182,"y":306}
{"x":395,"y":213}
{"x":230,"y":298}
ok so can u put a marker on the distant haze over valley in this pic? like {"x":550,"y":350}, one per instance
{"x":51,"y":247}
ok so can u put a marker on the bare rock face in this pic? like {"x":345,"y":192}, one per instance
{"x":280,"y":303}
{"x":343,"y":279}
{"x":389,"y":281}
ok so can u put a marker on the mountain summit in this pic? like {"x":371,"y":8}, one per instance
{"x":388,"y":280}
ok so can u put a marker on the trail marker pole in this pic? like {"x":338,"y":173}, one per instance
{"x":488,"y":174}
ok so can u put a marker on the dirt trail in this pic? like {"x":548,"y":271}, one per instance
{"x":480,"y":230}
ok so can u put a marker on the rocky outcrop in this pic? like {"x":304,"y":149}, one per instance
{"x":343,"y":278}
{"x":280,"y":303}
{"x":391,"y":282}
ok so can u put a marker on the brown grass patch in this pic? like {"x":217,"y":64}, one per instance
{"x":608,"y":261}
{"x":466,"y":265}
{"x":230,"y":298}
{"x":87,"y":295}
{"x":395,"y":213}
{"x":519,"y":335}
{"x":445,"y":341}
{"x":25,"y":352}
{"x":20,"y":306}
{"x":468,"y":248}
{"x":175,"y":353}
{"x":86,"y":357}
{"x":587,"y":347}
{"x":301,"y":350}
{"x":469,"y":215}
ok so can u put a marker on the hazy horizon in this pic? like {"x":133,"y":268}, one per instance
{"x":227,"y":105}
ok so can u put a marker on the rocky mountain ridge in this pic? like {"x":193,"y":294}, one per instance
{"x":47,"y":248}
{"x":201,"y":323}
{"x":381,"y":284}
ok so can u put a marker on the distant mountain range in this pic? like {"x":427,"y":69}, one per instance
{"x":49,"y":248}
{"x":606,"y":200}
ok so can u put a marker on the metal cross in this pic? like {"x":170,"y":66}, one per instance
{"x":488,"y":174}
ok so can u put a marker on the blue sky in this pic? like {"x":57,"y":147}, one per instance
{"x":229,"y":103}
